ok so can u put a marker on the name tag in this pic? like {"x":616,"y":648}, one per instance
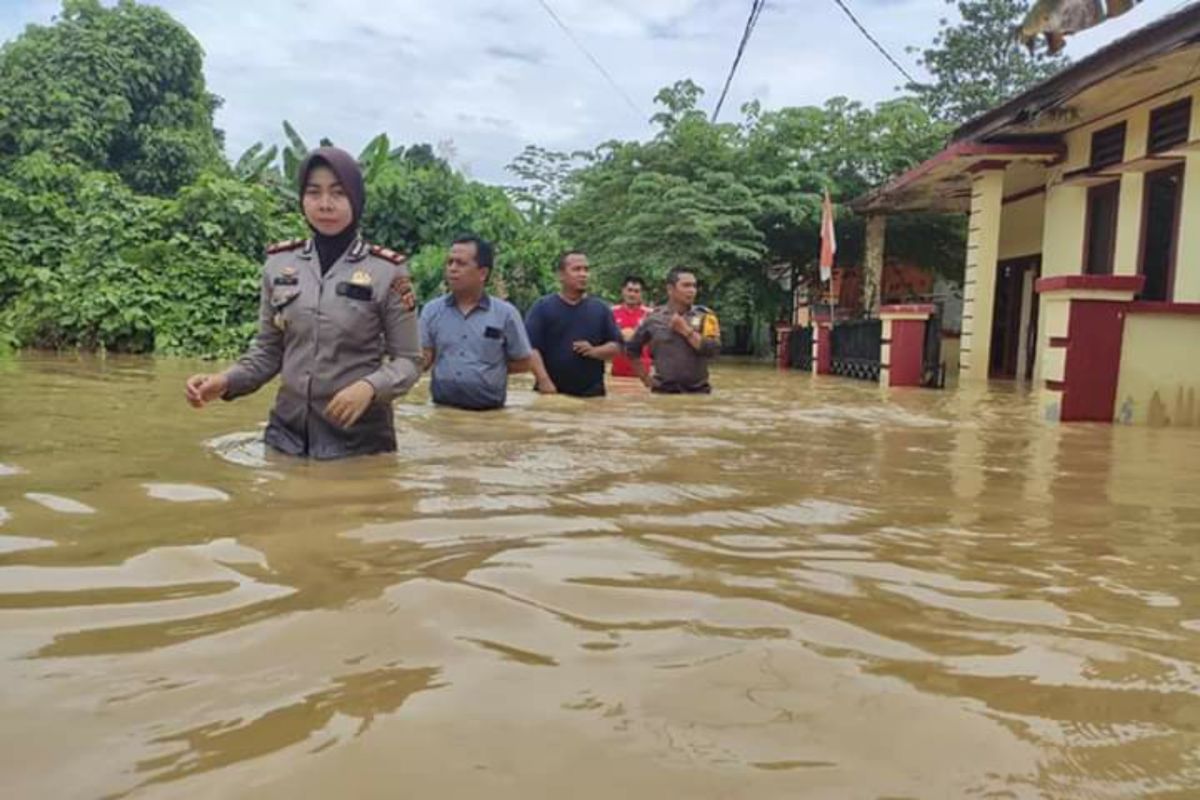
{"x":354,"y":291}
{"x":492,"y":333}
{"x":286,"y":280}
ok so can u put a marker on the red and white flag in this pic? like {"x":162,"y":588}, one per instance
{"x":828,"y":239}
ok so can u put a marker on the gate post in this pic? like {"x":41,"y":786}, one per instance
{"x":822,"y":361}
{"x":902,"y":354}
{"x":783,"y":353}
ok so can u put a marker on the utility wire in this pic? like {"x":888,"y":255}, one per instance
{"x":600,"y":67}
{"x":756,"y":8}
{"x":874,"y":41}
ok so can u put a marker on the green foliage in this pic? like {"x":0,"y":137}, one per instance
{"x":741,"y":202}
{"x":115,"y":89}
{"x":977,"y":63}
{"x":121,"y":227}
{"x":89,"y":263}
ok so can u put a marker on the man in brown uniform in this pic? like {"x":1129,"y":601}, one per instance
{"x":682,"y":337}
{"x":336,"y":323}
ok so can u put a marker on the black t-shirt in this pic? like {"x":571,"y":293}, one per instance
{"x":554,"y":325}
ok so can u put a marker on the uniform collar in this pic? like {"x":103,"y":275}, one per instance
{"x":357,"y":250}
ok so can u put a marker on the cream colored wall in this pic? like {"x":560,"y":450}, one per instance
{"x":1129,"y":212}
{"x":1187,"y":260}
{"x":1021,"y":227}
{"x":1159,"y":380}
{"x":1065,"y":218}
{"x":1066,"y":206}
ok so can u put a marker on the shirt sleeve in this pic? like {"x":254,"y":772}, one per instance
{"x":426,"y":326}
{"x":640,"y":338}
{"x":263,"y":360}
{"x":710,"y":336}
{"x":516,"y":341}
{"x":535,"y":325}
{"x":397,"y":374}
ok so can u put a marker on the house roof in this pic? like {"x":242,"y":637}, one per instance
{"x":1157,"y":58}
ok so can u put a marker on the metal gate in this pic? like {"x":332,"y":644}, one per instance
{"x":856,"y":347}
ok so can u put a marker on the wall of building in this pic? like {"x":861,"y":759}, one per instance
{"x":1159,"y":381}
{"x":1021,"y":227}
{"x":1066,"y":206}
{"x":1187,"y":262}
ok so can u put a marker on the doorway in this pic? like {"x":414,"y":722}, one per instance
{"x":1015,"y":319}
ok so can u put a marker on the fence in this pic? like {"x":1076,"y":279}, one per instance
{"x":856,"y":346}
{"x":800,"y":342}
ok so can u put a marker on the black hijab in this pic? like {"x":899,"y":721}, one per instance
{"x":345,"y":167}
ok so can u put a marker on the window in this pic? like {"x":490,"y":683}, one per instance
{"x":1170,"y":126}
{"x":1160,"y":232}
{"x":1108,"y":146}
{"x":1101,"y":233}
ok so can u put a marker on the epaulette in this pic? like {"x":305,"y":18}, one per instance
{"x":389,"y":255}
{"x":283,"y":247}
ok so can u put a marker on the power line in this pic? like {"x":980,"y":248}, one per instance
{"x":600,"y":67}
{"x":874,"y":41}
{"x":756,"y":7}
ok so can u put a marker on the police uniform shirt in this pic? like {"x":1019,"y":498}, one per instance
{"x":678,"y":367}
{"x":324,"y":333}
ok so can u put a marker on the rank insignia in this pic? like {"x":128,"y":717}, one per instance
{"x":361,"y":278}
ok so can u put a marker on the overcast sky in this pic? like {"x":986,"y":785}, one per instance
{"x":494,"y":75}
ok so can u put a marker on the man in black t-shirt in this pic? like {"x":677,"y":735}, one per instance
{"x":572,"y":334}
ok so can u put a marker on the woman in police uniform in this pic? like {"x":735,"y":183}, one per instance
{"x":336,"y":322}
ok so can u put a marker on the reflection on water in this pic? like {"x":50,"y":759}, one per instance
{"x":794,"y":588}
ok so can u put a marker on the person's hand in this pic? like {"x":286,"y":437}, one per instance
{"x":547,"y":387}
{"x":583,"y":348}
{"x":349,"y":404}
{"x":202,"y":389}
{"x":402,"y":288}
{"x":680,"y":326}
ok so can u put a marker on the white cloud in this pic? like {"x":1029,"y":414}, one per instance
{"x":495,"y":75}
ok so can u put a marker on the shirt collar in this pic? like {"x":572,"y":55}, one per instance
{"x":485,"y":302}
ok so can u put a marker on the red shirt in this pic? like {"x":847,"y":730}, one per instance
{"x":628,"y":319}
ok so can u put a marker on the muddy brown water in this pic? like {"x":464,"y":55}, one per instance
{"x":793,"y":588}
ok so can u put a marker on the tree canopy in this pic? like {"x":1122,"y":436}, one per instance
{"x":116,"y":89}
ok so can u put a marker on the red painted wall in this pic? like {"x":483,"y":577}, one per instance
{"x":1093,"y":361}
{"x":908,"y":350}
{"x":824,"y":350}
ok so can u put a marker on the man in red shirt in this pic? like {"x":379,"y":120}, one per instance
{"x":629,"y":315}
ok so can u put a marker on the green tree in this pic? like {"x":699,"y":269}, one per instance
{"x":116,"y":89}
{"x":976,"y":63}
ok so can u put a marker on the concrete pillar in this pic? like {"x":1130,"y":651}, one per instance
{"x":902,"y":354}
{"x":873,"y":263}
{"x":979,"y":283}
{"x":822,"y":357}
{"x":783,"y":334}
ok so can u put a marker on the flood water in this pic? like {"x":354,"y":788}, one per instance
{"x":793,"y":588}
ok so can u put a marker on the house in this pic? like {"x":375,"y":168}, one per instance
{"x":1083,"y":256}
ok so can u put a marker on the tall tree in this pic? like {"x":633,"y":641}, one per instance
{"x":976,"y":63}
{"x":117,"y":89}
